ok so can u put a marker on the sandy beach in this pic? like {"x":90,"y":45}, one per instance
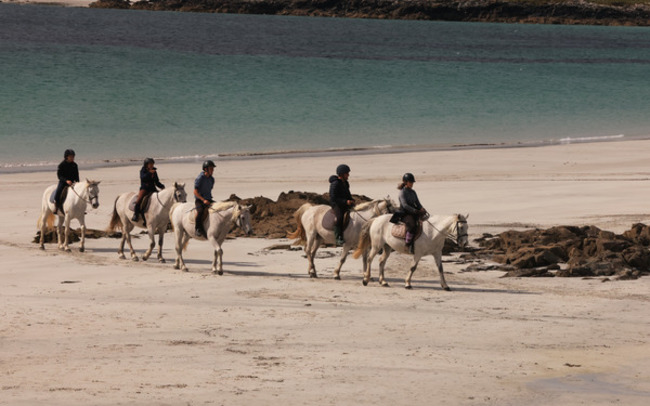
{"x":91,"y":329}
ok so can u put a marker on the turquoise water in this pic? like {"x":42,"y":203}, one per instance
{"x":120,"y":85}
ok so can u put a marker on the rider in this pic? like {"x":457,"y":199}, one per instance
{"x":340,"y":199}
{"x":203,"y":193}
{"x":410,"y":208}
{"x":68,"y":173}
{"x":148,"y":182}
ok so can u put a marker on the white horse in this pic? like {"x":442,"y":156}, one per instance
{"x":157,"y":218}
{"x":79,"y":195}
{"x":376,"y":235}
{"x":312,"y":234}
{"x":220,"y":219}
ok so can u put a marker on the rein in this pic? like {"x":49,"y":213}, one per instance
{"x":375,"y":209}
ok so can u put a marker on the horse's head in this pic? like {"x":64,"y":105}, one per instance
{"x":243,"y":220}
{"x":180,"y":195}
{"x":387,"y":206}
{"x":93,"y":192}
{"x":462,"y":228}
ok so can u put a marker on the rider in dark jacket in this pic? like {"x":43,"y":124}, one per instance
{"x":410,"y":208}
{"x":203,"y":185}
{"x":340,"y":199}
{"x":148,"y":182}
{"x":67,"y":173}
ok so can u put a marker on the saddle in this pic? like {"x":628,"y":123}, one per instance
{"x":205,"y":215}
{"x":64,"y":194}
{"x":329,"y":220}
{"x":144,"y":204}
{"x":399,"y":231}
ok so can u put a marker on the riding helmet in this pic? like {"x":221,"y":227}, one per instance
{"x":208,"y":163}
{"x":68,"y":152}
{"x":148,"y":161}
{"x":342,"y":169}
{"x":408,"y":177}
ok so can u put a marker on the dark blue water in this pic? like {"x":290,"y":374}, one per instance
{"x":122,"y":84}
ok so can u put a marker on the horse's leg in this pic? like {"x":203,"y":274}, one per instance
{"x":152,"y":241}
{"x":309,"y":252}
{"x":185,"y":237}
{"x":44,"y":215}
{"x":315,"y":246}
{"x":370,"y":257}
{"x":82,"y":224}
{"x":120,"y":249}
{"x":161,"y":236}
{"x":344,"y":255}
{"x":66,"y":233}
{"x":217,"y":262}
{"x":443,"y":282}
{"x":382,"y":263}
{"x":59,"y":231}
{"x":128,"y":227}
{"x":407,"y":281}
{"x":178,"y":246}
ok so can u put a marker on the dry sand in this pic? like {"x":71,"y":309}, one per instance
{"x":90,"y":329}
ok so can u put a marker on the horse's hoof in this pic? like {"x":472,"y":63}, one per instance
{"x":42,"y":247}
{"x":176,"y":266}
{"x":185,"y":269}
{"x":162,"y":260}
{"x":121,"y":257}
{"x":313,"y":275}
{"x":447,"y":288}
{"x":385,"y":285}
{"x":144,"y":258}
{"x":218,"y":272}
{"x":82,"y":249}
{"x":67,"y":250}
{"x":337,"y":277}
{"x":135,"y":259}
{"x":409,"y":287}
{"x":365,"y":282}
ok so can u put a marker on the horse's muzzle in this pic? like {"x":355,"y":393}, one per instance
{"x":95,"y":205}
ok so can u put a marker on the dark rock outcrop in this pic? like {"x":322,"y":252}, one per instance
{"x":585,"y":251}
{"x":513,"y":11}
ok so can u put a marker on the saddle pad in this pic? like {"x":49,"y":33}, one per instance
{"x":144,"y":205}
{"x":399,"y":231}
{"x":329,"y":220}
{"x":64,"y":194}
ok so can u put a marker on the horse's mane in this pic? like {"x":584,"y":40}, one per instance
{"x":364,"y":205}
{"x":221,"y":206}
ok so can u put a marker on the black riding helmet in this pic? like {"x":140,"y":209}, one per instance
{"x":408,"y":177}
{"x":68,"y":152}
{"x":342,"y":169}
{"x":209,"y":163}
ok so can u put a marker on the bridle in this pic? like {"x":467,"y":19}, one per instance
{"x":455,"y":238}
{"x":90,"y":197}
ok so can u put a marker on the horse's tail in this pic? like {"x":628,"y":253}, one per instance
{"x":364,"y":240}
{"x":115,"y":219}
{"x":49,"y":221}
{"x":300,"y":235}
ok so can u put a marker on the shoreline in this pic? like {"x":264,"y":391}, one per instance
{"x":314,"y":153}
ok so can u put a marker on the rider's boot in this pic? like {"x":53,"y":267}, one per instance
{"x":408,"y":239}
{"x":338,"y":236}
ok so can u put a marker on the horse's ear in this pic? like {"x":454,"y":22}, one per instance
{"x":466,"y":216}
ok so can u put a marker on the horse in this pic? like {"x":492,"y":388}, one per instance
{"x":74,"y":207}
{"x":312,"y":234}
{"x":221,"y":217}
{"x":157,"y":218}
{"x":376,"y":235}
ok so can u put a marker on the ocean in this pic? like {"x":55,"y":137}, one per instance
{"x":121,"y":85}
